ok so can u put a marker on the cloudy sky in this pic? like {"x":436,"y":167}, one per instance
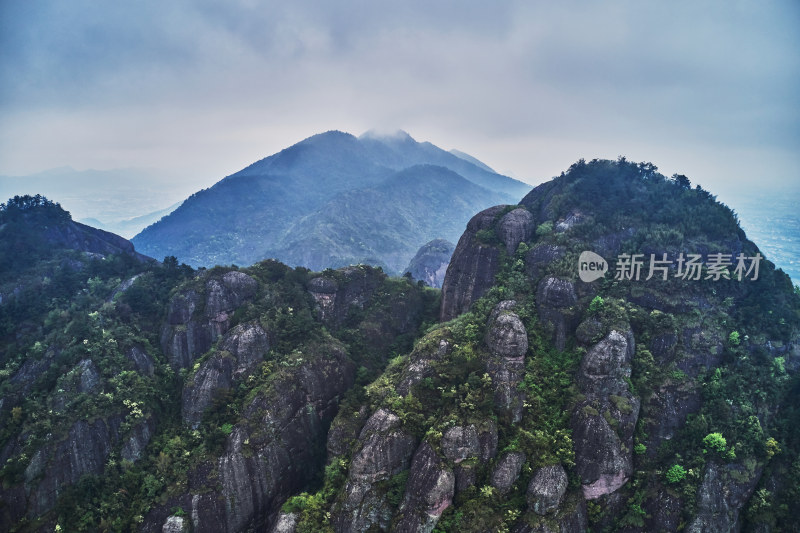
{"x":201,"y":89}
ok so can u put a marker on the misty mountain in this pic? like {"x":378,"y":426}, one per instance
{"x":330,"y":200}
{"x":129,"y":227}
{"x":381,"y":225}
{"x":474,"y":161}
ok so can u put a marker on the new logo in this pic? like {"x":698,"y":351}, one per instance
{"x":591,"y":266}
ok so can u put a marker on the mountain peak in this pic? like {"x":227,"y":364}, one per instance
{"x":389,"y":135}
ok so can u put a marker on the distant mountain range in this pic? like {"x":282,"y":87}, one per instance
{"x":128,"y":227}
{"x":332,"y":200}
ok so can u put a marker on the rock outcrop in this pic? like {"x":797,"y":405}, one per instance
{"x":335,"y":296}
{"x":473,"y":266}
{"x":134,"y":447}
{"x":272,"y":452}
{"x":196,"y":319}
{"x":77,"y":236}
{"x":506,"y":471}
{"x":384,"y":451}
{"x":723,"y":492}
{"x":421,"y":366}
{"x":429,"y":265}
{"x":286,"y":523}
{"x":507,"y":340}
{"x":604,"y":422}
{"x":546,"y":489}
{"x":429,"y":491}
{"x":515,"y":227}
{"x":460,"y":443}
{"x":239,"y":352}
{"x":555,"y":301}
{"x":57,"y":465}
{"x":141,"y":361}
{"x":540,"y":256}
{"x":571,"y":517}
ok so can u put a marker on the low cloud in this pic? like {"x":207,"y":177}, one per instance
{"x":706,"y":89}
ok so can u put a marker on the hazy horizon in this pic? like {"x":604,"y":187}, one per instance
{"x":198,"y":90}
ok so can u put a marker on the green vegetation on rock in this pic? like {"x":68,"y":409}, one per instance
{"x":234,"y":397}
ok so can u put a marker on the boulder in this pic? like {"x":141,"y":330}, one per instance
{"x":506,"y":471}
{"x":515,"y":227}
{"x":460,"y":443}
{"x":547,"y":488}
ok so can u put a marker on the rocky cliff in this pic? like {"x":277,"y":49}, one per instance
{"x":546,"y":403}
{"x":214,"y":430}
{"x":660,"y":395}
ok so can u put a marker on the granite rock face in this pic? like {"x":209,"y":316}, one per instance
{"x":571,"y":517}
{"x":286,"y":523}
{"x":604,"y":453}
{"x":506,"y":471}
{"x":133,"y":448}
{"x":429,"y":492}
{"x":280,"y":429}
{"x":384,"y":451}
{"x":59,"y":464}
{"x":547,"y":488}
{"x":422,"y":364}
{"x":335,"y":297}
{"x":472,"y":268}
{"x":723,"y":492}
{"x":429,"y":265}
{"x":77,"y":236}
{"x":240,"y":351}
{"x":196,"y":319}
{"x":460,"y":443}
{"x":555,"y":301}
{"x":141,"y":361}
{"x":507,"y":341}
{"x":540,"y":256}
{"x":515,"y":227}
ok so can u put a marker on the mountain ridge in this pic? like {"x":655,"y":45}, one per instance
{"x":151,"y":397}
{"x":249,"y":215}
